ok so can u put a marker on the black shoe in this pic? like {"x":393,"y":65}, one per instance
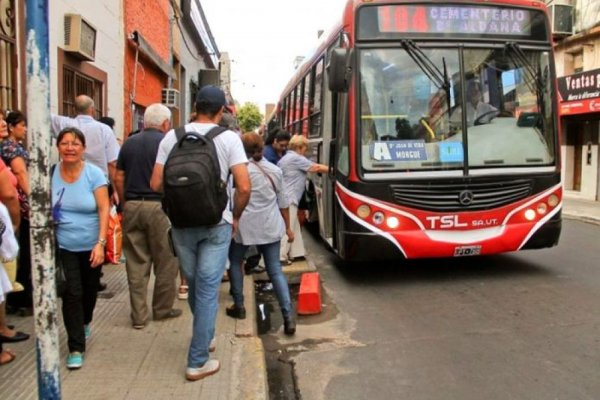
{"x":174,"y":313}
{"x":236,"y":312}
{"x":255,"y":270}
{"x":102,"y":286}
{"x":289,"y":325}
{"x":24,"y":312}
{"x":18,"y":337}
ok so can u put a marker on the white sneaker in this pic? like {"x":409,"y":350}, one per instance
{"x":182,"y":293}
{"x":194,"y":374}
{"x":212,"y":346}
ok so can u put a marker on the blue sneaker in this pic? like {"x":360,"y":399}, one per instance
{"x":87,"y":329}
{"x":75,"y":360}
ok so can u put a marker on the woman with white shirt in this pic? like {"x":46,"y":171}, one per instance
{"x":263,"y":224}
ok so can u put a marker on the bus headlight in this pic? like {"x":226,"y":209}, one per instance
{"x":542,"y":208}
{"x":378,"y":218}
{"x":530,"y":215}
{"x":553,"y":200}
{"x":393,"y":222}
{"x":363,"y":211}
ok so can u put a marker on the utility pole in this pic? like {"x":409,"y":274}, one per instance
{"x":42,"y":261}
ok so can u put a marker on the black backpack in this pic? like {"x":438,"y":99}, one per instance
{"x":194,"y":194}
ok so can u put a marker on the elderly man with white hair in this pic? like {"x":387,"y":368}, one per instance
{"x":101,"y":146}
{"x":145,"y":225}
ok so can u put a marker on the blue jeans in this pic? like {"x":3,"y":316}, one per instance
{"x":270,"y":253}
{"x":202,"y":254}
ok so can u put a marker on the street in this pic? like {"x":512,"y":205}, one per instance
{"x":516,"y":326}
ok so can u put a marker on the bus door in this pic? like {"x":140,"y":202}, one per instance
{"x":324,"y":194}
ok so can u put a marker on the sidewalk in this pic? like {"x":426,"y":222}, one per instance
{"x":584,"y":210}
{"x":124,"y":363}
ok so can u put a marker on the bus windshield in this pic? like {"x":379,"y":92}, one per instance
{"x":411,"y":121}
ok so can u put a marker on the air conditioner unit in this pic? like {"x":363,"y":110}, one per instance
{"x":562,"y":16}
{"x":80,"y":37}
{"x":170,"y":97}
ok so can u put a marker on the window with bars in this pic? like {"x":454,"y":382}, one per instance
{"x":8,"y":79}
{"x":74,"y":84}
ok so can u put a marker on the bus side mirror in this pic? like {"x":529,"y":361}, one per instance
{"x":339,"y":70}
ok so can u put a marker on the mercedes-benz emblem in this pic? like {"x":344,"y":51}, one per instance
{"x":465,"y":197}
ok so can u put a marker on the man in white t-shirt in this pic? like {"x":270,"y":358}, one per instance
{"x":203,"y":251}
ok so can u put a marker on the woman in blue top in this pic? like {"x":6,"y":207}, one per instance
{"x":80,"y":211}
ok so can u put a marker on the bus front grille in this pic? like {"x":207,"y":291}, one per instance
{"x":444,"y":197}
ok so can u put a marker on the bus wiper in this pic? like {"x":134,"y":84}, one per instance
{"x":439,"y":79}
{"x":515,"y":52}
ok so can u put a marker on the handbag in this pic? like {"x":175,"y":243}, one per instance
{"x":266,"y":175}
{"x":60,"y":278}
{"x":9,"y":248}
{"x":114,"y":238}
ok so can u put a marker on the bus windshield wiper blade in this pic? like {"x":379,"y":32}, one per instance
{"x":515,"y":52}
{"x":440,"y":79}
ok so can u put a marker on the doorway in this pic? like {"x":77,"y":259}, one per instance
{"x":575,"y":137}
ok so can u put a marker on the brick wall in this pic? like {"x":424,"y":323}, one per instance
{"x":151,"y":19}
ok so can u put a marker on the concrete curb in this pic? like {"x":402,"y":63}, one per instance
{"x":583,"y":218}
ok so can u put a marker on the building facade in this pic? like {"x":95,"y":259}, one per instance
{"x":83,"y":37}
{"x":12,"y":41}
{"x":147,"y":69}
{"x":576,"y":30}
{"x":125,"y":54}
{"x":169,"y":54}
{"x":195,"y":56}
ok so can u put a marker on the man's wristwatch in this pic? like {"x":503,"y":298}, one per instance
{"x":102,"y":242}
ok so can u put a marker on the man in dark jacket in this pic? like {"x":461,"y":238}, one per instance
{"x":145,"y":225}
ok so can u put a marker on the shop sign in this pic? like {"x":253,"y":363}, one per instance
{"x":579,"y":93}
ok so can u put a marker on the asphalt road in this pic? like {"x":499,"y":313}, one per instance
{"x":517,"y":326}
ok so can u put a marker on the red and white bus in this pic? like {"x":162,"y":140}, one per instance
{"x":439,"y":122}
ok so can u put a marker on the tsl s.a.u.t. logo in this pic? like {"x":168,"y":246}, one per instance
{"x":454,"y":221}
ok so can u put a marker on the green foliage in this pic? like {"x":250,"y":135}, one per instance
{"x":249,"y":117}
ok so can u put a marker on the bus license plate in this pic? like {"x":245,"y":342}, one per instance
{"x":462,"y":251}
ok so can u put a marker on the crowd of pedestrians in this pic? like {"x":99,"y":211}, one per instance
{"x":264,"y":186}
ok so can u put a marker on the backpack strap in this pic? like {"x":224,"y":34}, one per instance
{"x":180,"y":133}
{"x":216,"y":131}
{"x":211,"y":134}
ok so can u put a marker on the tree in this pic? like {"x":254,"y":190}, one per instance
{"x":249,"y":117}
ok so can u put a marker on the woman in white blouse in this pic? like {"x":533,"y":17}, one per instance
{"x":263,"y":224}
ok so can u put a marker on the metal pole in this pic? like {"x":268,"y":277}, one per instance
{"x":39,"y":139}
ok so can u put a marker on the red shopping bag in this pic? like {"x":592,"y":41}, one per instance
{"x":114,"y":238}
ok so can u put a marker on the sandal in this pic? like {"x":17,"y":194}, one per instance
{"x":7,"y":357}
{"x":183,"y":292}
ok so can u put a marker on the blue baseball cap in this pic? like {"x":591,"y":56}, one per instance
{"x":212,"y":95}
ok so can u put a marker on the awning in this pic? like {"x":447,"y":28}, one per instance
{"x":147,"y":50}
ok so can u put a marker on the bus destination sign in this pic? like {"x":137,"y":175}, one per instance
{"x":455,"y":19}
